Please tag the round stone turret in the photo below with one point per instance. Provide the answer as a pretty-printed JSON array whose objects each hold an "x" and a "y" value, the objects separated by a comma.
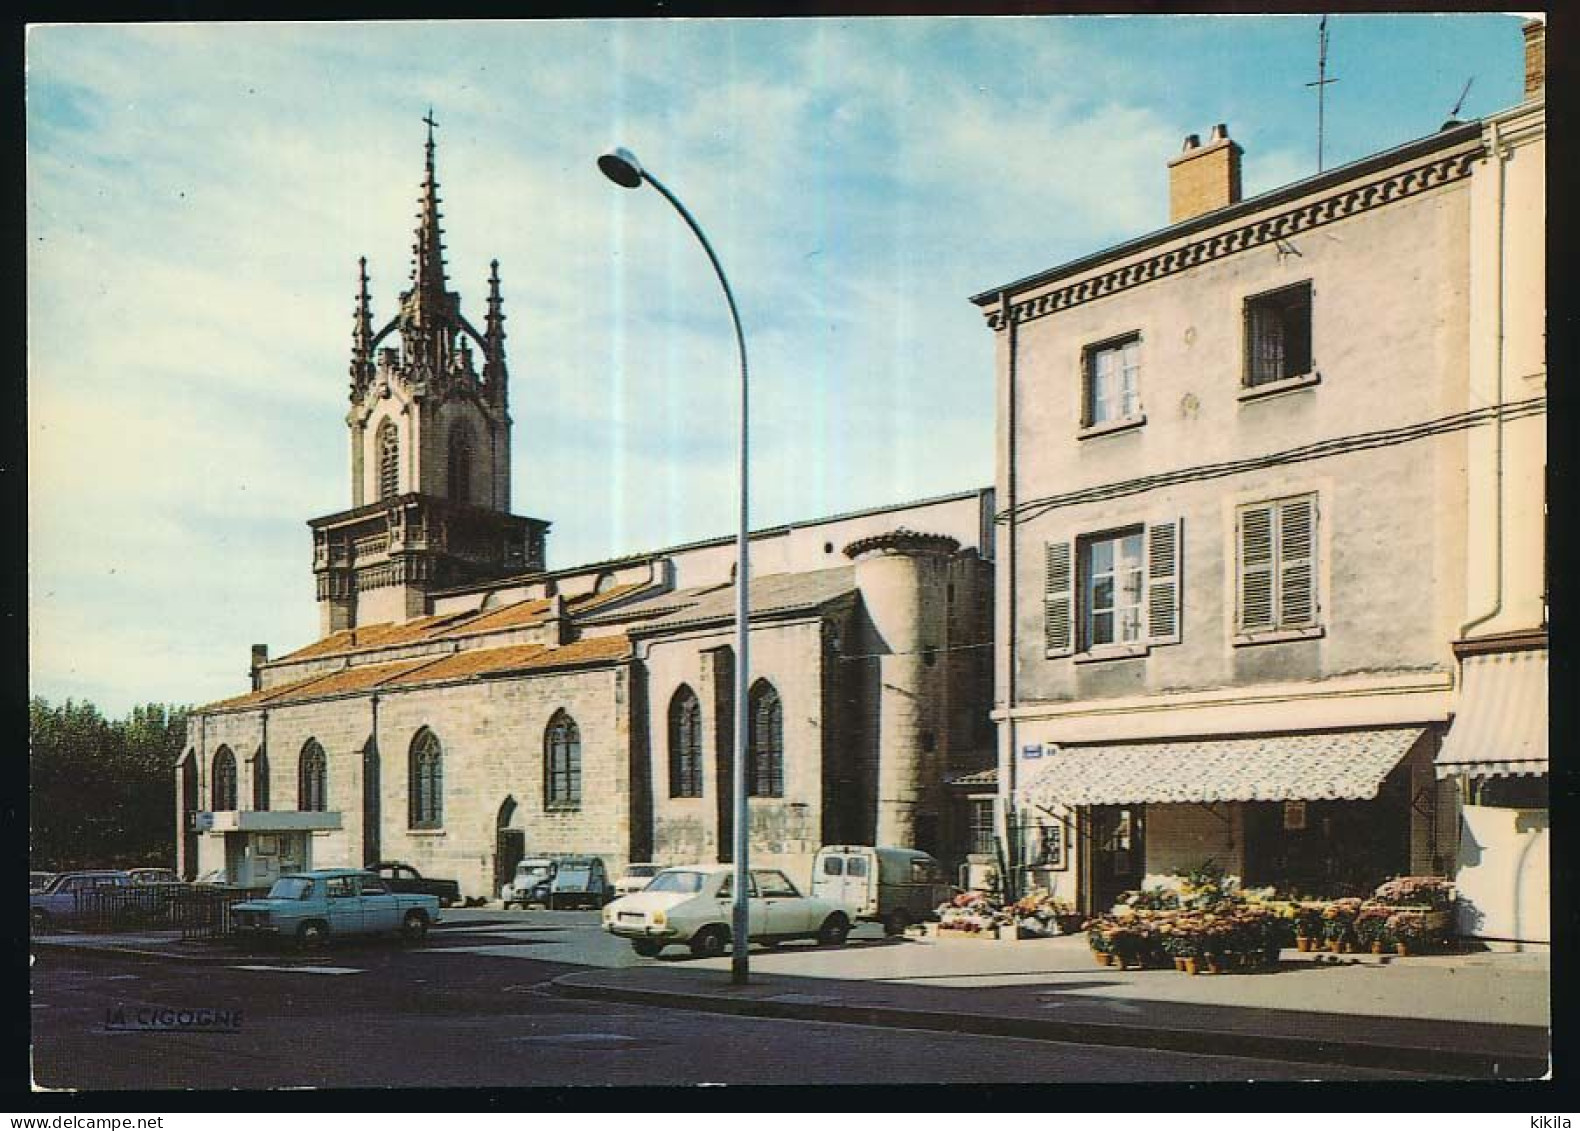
[{"x": 903, "y": 576}]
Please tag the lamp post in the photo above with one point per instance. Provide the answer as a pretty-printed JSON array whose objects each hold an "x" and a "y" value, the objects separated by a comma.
[{"x": 622, "y": 167}]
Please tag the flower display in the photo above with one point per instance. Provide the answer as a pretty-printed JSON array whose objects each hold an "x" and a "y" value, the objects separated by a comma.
[
  {"x": 1416, "y": 891},
  {"x": 974, "y": 912}
]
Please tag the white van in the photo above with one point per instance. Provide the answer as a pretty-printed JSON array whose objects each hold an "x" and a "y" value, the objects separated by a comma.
[{"x": 892, "y": 886}]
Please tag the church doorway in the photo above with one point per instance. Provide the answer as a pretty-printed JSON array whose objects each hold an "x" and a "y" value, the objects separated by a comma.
[
  {"x": 510, "y": 845},
  {"x": 370, "y": 804}
]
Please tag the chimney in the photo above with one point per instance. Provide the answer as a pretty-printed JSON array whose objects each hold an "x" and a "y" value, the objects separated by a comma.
[
  {"x": 1204, "y": 177},
  {"x": 260, "y": 656},
  {"x": 1535, "y": 58}
]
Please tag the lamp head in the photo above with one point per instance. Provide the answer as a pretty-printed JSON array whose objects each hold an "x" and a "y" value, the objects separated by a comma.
[{"x": 622, "y": 167}]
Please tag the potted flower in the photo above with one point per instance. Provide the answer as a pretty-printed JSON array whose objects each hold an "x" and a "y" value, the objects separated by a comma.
[
  {"x": 1412, "y": 932},
  {"x": 1308, "y": 924},
  {"x": 1338, "y": 924},
  {"x": 1371, "y": 927},
  {"x": 1097, "y": 940}
]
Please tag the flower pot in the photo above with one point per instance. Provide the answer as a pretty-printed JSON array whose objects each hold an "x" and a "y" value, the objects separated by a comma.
[
  {"x": 1190, "y": 965},
  {"x": 1377, "y": 948},
  {"x": 1213, "y": 966},
  {"x": 1347, "y": 948},
  {"x": 1179, "y": 964},
  {"x": 1403, "y": 949},
  {"x": 1333, "y": 946},
  {"x": 1302, "y": 944},
  {"x": 1101, "y": 958}
]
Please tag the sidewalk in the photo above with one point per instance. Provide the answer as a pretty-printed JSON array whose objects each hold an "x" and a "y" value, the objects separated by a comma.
[{"x": 1480, "y": 1015}]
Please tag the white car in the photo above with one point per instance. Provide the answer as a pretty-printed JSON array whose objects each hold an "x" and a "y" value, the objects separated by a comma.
[
  {"x": 636, "y": 877},
  {"x": 693, "y": 904}
]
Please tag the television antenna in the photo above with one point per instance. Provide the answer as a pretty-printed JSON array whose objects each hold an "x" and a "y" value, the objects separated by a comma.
[
  {"x": 1453, "y": 115},
  {"x": 1322, "y": 83}
]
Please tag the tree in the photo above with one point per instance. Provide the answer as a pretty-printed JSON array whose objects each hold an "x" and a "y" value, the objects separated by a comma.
[{"x": 101, "y": 790}]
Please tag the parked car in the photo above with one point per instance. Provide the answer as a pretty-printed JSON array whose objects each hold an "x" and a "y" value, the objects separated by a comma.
[
  {"x": 38, "y": 881},
  {"x": 148, "y": 877},
  {"x": 693, "y": 904},
  {"x": 314, "y": 907},
  {"x": 636, "y": 877},
  {"x": 404, "y": 878},
  {"x": 214, "y": 878},
  {"x": 65, "y": 898},
  {"x": 558, "y": 881},
  {"x": 892, "y": 886}
]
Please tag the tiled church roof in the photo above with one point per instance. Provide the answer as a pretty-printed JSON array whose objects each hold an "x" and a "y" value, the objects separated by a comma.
[{"x": 473, "y": 663}]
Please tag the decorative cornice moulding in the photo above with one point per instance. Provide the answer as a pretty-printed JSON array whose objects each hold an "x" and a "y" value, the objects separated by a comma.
[{"x": 1313, "y": 214}]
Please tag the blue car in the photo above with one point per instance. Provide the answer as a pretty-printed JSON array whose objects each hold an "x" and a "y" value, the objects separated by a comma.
[{"x": 313, "y": 907}]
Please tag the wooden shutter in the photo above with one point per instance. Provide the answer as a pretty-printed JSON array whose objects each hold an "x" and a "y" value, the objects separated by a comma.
[
  {"x": 1059, "y": 599},
  {"x": 1163, "y": 582},
  {"x": 1297, "y": 582},
  {"x": 1255, "y": 536}
]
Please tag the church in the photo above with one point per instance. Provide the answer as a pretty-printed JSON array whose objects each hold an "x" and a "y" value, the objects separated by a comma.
[{"x": 466, "y": 705}]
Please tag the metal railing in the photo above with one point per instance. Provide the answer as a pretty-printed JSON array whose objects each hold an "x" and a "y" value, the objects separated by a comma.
[{"x": 204, "y": 913}]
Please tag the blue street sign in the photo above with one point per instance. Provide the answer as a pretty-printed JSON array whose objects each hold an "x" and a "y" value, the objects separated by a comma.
[{"x": 1033, "y": 751}]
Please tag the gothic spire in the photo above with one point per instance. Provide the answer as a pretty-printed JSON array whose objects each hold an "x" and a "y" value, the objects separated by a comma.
[
  {"x": 428, "y": 306},
  {"x": 495, "y": 376},
  {"x": 362, "y": 334}
]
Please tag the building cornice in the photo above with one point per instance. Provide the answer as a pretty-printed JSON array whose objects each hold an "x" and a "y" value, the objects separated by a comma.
[
  {"x": 1430, "y": 682},
  {"x": 1259, "y": 230}
]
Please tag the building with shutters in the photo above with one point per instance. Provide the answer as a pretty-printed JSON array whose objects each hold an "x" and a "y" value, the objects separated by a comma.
[
  {"x": 1271, "y": 487},
  {"x": 465, "y": 704}
]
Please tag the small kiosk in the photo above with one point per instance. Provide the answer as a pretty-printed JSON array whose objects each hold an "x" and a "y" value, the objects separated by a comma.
[{"x": 261, "y": 846}]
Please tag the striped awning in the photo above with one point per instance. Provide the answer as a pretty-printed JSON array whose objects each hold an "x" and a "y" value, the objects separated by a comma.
[
  {"x": 1336, "y": 765},
  {"x": 1500, "y": 728}
]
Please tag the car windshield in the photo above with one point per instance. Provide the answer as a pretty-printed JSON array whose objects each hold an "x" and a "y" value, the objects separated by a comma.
[
  {"x": 529, "y": 870},
  {"x": 573, "y": 875},
  {"x": 684, "y": 882},
  {"x": 291, "y": 887}
]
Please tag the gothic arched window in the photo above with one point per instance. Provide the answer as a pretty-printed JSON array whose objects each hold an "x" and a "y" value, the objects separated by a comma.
[
  {"x": 562, "y": 763},
  {"x": 685, "y": 744},
  {"x": 427, "y": 781},
  {"x": 223, "y": 793},
  {"x": 461, "y": 464},
  {"x": 312, "y": 779},
  {"x": 260, "y": 780},
  {"x": 389, "y": 460},
  {"x": 765, "y": 750}
]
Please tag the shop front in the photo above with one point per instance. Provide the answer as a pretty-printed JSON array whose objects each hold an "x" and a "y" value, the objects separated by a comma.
[
  {"x": 1324, "y": 814},
  {"x": 1496, "y": 750}
]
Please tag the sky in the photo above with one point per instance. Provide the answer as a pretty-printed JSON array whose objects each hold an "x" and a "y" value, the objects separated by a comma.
[{"x": 199, "y": 194}]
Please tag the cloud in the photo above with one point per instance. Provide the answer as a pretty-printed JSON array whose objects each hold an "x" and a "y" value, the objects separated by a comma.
[{"x": 198, "y": 195}]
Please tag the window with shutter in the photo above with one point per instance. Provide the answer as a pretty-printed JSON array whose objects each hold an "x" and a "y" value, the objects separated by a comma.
[
  {"x": 1163, "y": 582},
  {"x": 1256, "y": 568},
  {"x": 1297, "y": 597},
  {"x": 1278, "y": 565},
  {"x": 1058, "y": 599}
]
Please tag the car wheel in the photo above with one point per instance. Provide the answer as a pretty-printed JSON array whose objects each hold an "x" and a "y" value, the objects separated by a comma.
[
  {"x": 710, "y": 942},
  {"x": 833, "y": 931},
  {"x": 40, "y": 921},
  {"x": 414, "y": 928},
  {"x": 895, "y": 922},
  {"x": 312, "y": 936},
  {"x": 646, "y": 948}
]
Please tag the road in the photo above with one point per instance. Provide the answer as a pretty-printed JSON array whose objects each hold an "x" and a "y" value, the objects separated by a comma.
[{"x": 471, "y": 1009}]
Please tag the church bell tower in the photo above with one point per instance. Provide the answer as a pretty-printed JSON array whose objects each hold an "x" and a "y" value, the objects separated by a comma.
[{"x": 429, "y": 427}]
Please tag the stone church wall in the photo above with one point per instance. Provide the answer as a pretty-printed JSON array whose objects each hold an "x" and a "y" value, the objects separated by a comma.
[{"x": 785, "y": 831}]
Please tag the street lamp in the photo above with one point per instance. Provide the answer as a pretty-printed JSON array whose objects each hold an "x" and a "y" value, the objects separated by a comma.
[{"x": 622, "y": 167}]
